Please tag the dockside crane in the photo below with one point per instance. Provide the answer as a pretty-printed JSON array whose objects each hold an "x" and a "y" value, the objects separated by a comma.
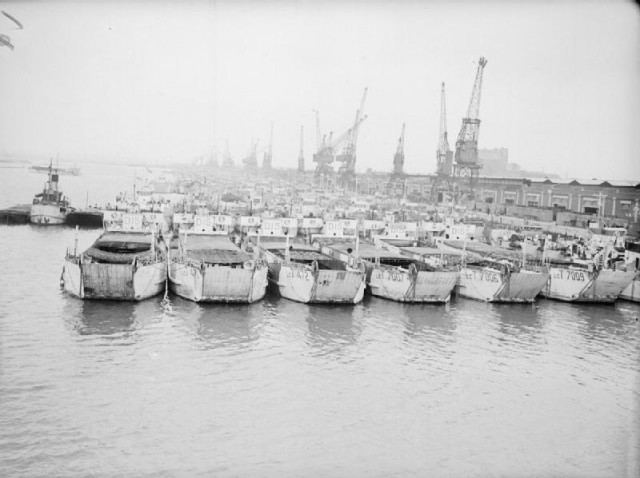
[
  {"x": 398, "y": 158},
  {"x": 301, "y": 156},
  {"x": 227, "y": 161},
  {"x": 347, "y": 156},
  {"x": 443, "y": 185},
  {"x": 397, "y": 181},
  {"x": 444, "y": 155},
  {"x": 326, "y": 155},
  {"x": 250, "y": 161},
  {"x": 268, "y": 156},
  {"x": 466, "y": 163}
]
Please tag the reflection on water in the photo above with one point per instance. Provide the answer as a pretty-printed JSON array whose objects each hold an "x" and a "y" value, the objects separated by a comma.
[
  {"x": 332, "y": 327},
  {"x": 421, "y": 319},
  {"x": 606, "y": 330},
  {"x": 220, "y": 325},
  {"x": 109, "y": 317},
  {"x": 521, "y": 321}
]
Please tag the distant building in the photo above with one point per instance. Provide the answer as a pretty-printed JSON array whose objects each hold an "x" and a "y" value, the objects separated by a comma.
[
  {"x": 495, "y": 163},
  {"x": 564, "y": 200}
]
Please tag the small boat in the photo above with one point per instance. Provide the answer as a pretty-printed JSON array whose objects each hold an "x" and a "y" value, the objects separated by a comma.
[
  {"x": 124, "y": 263},
  {"x": 206, "y": 266},
  {"x": 50, "y": 207}
]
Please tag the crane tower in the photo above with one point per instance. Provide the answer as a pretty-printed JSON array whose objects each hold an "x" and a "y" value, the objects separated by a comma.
[
  {"x": 397, "y": 181},
  {"x": 250, "y": 161},
  {"x": 347, "y": 156},
  {"x": 327, "y": 147},
  {"x": 268, "y": 156},
  {"x": 444, "y": 155},
  {"x": 466, "y": 164}
]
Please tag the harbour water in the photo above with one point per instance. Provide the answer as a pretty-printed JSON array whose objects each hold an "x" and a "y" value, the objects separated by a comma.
[{"x": 166, "y": 387}]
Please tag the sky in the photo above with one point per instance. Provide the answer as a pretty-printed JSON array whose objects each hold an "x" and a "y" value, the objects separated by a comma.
[{"x": 172, "y": 81}]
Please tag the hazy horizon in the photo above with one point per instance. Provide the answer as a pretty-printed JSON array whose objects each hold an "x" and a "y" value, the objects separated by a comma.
[{"x": 170, "y": 82}]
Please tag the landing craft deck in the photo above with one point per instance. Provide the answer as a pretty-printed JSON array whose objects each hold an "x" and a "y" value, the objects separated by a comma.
[
  {"x": 369, "y": 252},
  {"x": 494, "y": 252}
]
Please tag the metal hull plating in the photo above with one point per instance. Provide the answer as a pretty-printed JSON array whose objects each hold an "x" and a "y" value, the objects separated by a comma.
[
  {"x": 490, "y": 285},
  {"x": 403, "y": 286},
  {"x": 114, "y": 281},
  {"x": 218, "y": 283},
  {"x": 632, "y": 291},
  {"x": 302, "y": 284},
  {"x": 47, "y": 214},
  {"x": 579, "y": 285}
]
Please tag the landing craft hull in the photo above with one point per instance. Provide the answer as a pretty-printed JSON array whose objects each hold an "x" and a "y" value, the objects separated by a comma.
[
  {"x": 574, "y": 285},
  {"x": 302, "y": 284},
  {"x": 523, "y": 286},
  {"x": 402, "y": 286},
  {"x": 114, "y": 281},
  {"x": 632, "y": 291},
  {"x": 489, "y": 285},
  {"x": 47, "y": 214},
  {"x": 218, "y": 284}
]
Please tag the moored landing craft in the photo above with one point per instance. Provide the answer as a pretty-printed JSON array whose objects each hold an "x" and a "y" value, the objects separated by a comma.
[
  {"x": 393, "y": 276},
  {"x": 300, "y": 272},
  {"x": 210, "y": 268},
  {"x": 499, "y": 282},
  {"x": 124, "y": 264},
  {"x": 573, "y": 283}
]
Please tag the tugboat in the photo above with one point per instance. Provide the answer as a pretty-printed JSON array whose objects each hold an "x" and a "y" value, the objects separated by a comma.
[
  {"x": 206, "y": 266},
  {"x": 50, "y": 207},
  {"x": 127, "y": 262}
]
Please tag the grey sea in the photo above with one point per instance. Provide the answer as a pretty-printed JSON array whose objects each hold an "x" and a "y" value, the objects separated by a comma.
[{"x": 166, "y": 387}]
